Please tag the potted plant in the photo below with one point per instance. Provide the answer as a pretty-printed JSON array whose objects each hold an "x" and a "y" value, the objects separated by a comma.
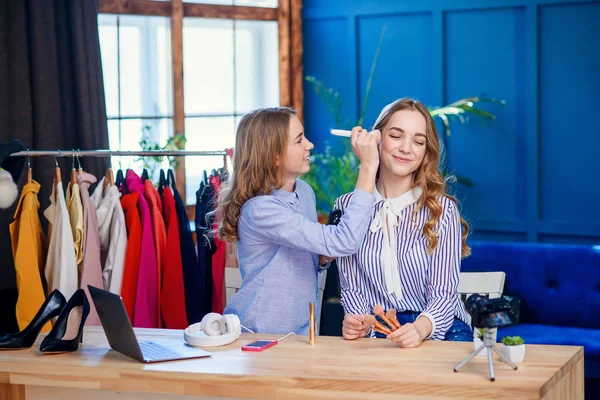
[
  {"x": 513, "y": 348},
  {"x": 334, "y": 173},
  {"x": 153, "y": 164}
]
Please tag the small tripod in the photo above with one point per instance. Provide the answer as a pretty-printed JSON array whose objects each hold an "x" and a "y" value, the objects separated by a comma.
[{"x": 488, "y": 343}]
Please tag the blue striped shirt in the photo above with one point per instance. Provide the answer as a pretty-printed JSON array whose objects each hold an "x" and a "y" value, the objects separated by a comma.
[
  {"x": 278, "y": 253},
  {"x": 428, "y": 283}
]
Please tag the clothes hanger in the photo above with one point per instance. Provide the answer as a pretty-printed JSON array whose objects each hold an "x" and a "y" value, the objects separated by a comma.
[
  {"x": 120, "y": 178},
  {"x": 73, "y": 173},
  {"x": 57, "y": 177},
  {"x": 162, "y": 180},
  {"x": 201, "y": 190},
  {"x": 109, "y": 178},
  {"x": 29, "y": 178},
  {"x": 224, "y": 171},
  {"x": 79, "y": 169},
  {"x": 144, "y": 175},
  {"x": 171, "y": 178},
  {"x": 120, "y": 182}
]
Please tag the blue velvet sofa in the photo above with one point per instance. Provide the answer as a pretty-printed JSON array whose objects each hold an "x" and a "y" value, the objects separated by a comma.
[{"x": 559, "y": 288}]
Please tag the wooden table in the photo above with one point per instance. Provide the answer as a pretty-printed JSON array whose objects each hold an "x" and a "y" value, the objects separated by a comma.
[{"x": 332, "y": 368}]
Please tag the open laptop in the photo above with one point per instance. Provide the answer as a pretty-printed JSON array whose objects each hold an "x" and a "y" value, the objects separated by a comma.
[{"x": 121, "y": 337}]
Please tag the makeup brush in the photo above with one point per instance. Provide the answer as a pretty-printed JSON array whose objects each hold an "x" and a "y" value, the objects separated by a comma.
[
  {"x": 378, "y": 310},
  {"x": 378, "y": 326},
  {"x": 345, "y": 133},
  {"x": 391, "y": 314},
  {"x": 380, "y": 331}
]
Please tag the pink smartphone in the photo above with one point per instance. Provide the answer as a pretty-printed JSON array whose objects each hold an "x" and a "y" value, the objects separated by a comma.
[{"x": 260, "y": 345}]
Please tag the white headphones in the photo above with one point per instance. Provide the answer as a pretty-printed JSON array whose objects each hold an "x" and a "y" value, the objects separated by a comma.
[{"x": 214, "y": 330}]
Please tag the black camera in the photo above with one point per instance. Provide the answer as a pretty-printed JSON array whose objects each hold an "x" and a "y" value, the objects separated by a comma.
[{"x": 493, "y": 313}]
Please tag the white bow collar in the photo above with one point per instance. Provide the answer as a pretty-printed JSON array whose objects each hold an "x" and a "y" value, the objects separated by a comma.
[{"x": 388, "y": 217}]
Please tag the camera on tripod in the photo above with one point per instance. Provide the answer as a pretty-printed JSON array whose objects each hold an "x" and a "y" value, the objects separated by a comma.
[{"x": 493, "y": 313}]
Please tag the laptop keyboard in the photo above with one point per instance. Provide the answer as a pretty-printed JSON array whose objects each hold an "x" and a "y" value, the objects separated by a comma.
[{"x": 153, "y": 351}]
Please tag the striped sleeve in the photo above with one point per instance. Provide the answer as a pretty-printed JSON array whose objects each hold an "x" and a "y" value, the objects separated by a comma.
[
  {"x": 353, "y": 301},
  {"x": 443, "y": 274}
]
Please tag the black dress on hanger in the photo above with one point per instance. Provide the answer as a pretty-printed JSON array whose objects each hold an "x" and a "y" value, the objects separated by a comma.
[
  {"x": 189, "y": 261},
  {"x": 205, "y": 244}
]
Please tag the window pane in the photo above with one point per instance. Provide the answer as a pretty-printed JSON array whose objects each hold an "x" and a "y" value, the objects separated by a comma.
[
  {"x": 155, "y": 131},
  {"x": 114, "y": 139},
  {"x": 145, "y": 66},
  {"x": 208, "y": 66},
  {"x": 256, "y": 65},
  {"x": 107, "y": 32},
  {"x": 256, "y": 3},
  {"x": 211, "y": 133}
]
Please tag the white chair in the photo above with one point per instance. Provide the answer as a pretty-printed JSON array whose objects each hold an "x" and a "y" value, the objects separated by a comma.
[
  {"x": 483, "y": 283},
  {"x": 233, "y": 282}
]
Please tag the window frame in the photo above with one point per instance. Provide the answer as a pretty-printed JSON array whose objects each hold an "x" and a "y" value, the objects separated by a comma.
[{"x": 289, "y": 25}]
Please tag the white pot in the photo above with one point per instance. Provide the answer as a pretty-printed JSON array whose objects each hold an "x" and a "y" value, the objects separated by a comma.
[
  {"x": 477, "y": 343},
  {"x": 515, "y": 354}
]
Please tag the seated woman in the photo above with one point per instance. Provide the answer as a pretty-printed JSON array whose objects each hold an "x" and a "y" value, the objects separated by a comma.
[
  {"x": 272, "y": 216},
  {"x": 410, "y": 258}
]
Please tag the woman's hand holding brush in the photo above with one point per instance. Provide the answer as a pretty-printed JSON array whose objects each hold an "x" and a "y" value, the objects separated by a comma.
[{"x": 354, "y": 326}]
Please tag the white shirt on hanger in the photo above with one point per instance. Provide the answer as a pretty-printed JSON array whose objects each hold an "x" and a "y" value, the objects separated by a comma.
[
  {"x": 61, "y": 265},
  {"x": 113, "y": 235}
]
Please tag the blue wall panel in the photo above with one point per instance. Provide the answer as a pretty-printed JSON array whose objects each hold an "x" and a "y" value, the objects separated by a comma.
[
  {"x": 569, "y": 106},
  {"x": 490, "y": 154},
  {"x": 535, "y": 168},
  {"x": 404, "y": 68},
  {"x": 328, "y": 60}
]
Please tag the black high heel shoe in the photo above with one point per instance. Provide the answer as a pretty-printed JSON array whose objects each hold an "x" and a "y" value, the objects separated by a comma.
[
  {"x": 67, "y": 332},
  {"x": 51, "y": 307}
]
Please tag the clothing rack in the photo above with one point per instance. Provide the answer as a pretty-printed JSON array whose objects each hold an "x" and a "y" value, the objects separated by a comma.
[{"x": 117, "y": 153}]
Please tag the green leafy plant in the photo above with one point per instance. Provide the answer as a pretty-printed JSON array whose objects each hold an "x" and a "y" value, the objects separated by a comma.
[
  {"x": 512, "y": 340},
  {"x": 334, "y": 173},
  {"x": 481, "y": 332},
  {"x": 153, "y": 164}
]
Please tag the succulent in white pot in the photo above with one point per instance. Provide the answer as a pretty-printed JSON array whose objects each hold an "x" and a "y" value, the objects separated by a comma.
[
  {"x": 513, "y": 348},
  {"x": 478, "y": 334}
]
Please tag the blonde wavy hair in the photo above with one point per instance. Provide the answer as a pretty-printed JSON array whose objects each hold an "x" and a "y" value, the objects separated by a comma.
[
  {"x": 258, "y": 164},
  {"x": 428, "y": 176}
]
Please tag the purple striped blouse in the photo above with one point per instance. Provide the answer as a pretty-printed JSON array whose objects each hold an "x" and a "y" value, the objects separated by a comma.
[{"x": 427, "y": 283}]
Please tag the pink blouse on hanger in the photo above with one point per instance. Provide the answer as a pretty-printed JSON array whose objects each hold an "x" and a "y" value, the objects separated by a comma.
[
  {"x": 146, "y": 297},
  {"x": 91, "y": 271}
]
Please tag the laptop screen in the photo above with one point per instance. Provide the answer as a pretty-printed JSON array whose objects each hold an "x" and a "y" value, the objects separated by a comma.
[{"x": 115, "y": 323}]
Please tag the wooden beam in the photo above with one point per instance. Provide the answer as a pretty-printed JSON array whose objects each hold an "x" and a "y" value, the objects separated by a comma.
[
  {"x": 285, "y": 87},
  {"x": 139, "y": 7},
  {"x": 229, "y": 12},
  {"x": 178, "y": 103},
  {"x": 297, "y": 70},
  {"x": 149, "y": 7}
]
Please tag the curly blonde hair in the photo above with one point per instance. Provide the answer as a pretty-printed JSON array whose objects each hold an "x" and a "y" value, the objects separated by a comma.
[
  {"x": 428, "y": 176},
  {"x": 258, "y": 162}
]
